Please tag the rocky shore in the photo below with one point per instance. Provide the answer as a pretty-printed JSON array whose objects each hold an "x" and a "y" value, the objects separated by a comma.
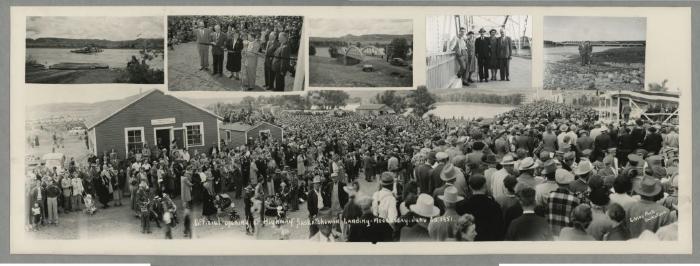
[{"x": 599, "y": 75}]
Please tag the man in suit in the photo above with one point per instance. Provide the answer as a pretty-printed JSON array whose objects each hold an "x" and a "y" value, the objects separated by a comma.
[
  {"x": 316, "y": 201},
  {"x": 203, "y": 34},
  {"x": 270, "y": 50},
  {"x": 422, "y": 172},
  {"x": 281, "y": 62},
  {"x": 504, "y": 54},
  {"x": 218, "y": 40},
  {"x": 337, "y": 197},
  {"x": 483, "y": 55},
  {"x": 435, "y": 174}
]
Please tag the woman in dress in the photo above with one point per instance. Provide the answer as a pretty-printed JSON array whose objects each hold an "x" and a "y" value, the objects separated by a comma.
[
  {"x": 493, "y": 61},
  {"x": 251, "y": 60},
  {"x": 234, "y": 47}
]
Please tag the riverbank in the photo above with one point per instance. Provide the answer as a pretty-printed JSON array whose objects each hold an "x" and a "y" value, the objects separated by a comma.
[
  {"x": 86, "y": 76},
  {"x": 611, "y": 69}
]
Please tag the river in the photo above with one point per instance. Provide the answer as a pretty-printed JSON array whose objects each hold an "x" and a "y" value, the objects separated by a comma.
[
  {"x": 555, "y": 54},
  {"x": 114, "y": 58}
]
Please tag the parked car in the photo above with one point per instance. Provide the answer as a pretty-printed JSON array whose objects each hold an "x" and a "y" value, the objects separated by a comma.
[{"x": 398, "y": 62}]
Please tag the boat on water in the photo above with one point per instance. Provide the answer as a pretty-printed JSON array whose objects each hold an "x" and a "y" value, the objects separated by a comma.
[{"x": 87, "y": 50}]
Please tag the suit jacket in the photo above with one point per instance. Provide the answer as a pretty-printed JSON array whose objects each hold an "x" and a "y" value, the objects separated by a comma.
[
  {"x": 270, "y": 53},
  {"x": 219, "y": 40},
  {"x": 203, "y": 35},
  {"x": 342, "y": 195},
  {"x": 312, "y": 204},
  {"x": 236, "y": 45},
  {"x": 280, "y": 62},
  {"x": 529, "y": 227},
  {"x": 436, "y": 181},
  {"x": 423, "y": 178},
  {"x": 483, "y": 47},
  {"x": 503, "y": 49}
]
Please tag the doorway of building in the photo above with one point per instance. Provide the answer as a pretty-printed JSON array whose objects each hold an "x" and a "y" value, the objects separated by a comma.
[{"x": 163, "y": 138}]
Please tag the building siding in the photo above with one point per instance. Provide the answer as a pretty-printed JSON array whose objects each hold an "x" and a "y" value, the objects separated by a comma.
[
  {"x": 275, "y": 131},
  {"x": 238, "y": 138},
  {"x": 110, "y": 133}
]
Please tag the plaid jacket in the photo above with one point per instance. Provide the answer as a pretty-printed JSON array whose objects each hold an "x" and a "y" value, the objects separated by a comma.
[{"x": 559, "y": 206}]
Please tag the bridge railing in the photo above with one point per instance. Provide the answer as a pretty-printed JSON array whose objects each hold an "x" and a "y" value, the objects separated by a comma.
[{"x": 441, "y": 70}]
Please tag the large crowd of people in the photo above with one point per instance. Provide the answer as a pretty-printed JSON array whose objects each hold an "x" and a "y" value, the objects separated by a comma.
[{"x": 543, "y": 171}]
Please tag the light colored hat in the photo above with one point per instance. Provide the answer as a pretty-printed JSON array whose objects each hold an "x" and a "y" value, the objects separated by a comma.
[
  {"x": 317, "y": 179},
  {"x": 527, "y": 164},
  {"x": 450, "y": 195},
  {"x": 387, "y": 178},
  {"x": 549, "y": 166},
  {"x": 508, "y": 160},
  {"x": 449, "y": 172},
  {"x": 563, "y": 177},
  {"x": 425, "y": 206},
  {"x": 584, "y": 167},
  {"x": 441, "y": 155},
  {"x": 350, "y": 189},
  {"x": 563, "y": 128}
]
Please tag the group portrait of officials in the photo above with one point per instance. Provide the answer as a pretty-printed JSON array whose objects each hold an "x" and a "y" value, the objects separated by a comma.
[
  {"x": 490, "y": 54},
  {"x": 236, "y": 48}
]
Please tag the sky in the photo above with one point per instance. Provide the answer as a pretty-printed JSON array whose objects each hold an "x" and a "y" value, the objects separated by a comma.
[
  {"x": 594, "y": 29},
  {"x": 107, "y": 28},
  {"x": 515, "y": 26},
  {"x": 341, "y": 27}
]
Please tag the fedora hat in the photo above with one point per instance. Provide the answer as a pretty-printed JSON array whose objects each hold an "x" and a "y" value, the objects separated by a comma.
[
  {"x": 526, "y": 164},
  {"x": 425, "y": 206},
  {"x": 449, "y": 172},
  {"x": 482, "y": 30},
  {"x": 387, "y": 178},
  {"x": 441, "y": 155},
  {"x": 563, "y": 177},
  {"x": 317, "y": 179},
  {"x": 489, "y": 159},
  {"x": 549, "y": 166},
  {"x": 507, "y": 160},
  {"x": 584, "y": 167},
  {"x": 587, "y": 153},
  {"x": 450, "y": 195},
  {"x": 648, "y": 187}
]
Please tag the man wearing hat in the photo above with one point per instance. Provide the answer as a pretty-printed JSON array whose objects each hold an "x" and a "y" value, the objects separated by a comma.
[
  {"x": 442, "y": 158},
  {"x": 337, "y": 196},
  {"x": 497, "y": 188},
  {"x": 316, "y": 201},
  {"x": 560, "y": 202},
  {"x": 417, "y": 228},
  {"x": 583, "y": 171},
  {"x": 483, "y": 55},
  {"x": 449, "y": 176},
  {"x": 653, "y": 141},
  {"x": 584, "y": 141},
  {"x": 647, "y": 214},
  {"x": 444, "y": 227},
  {"x": 486, "y": 211},
  {"x": 527, "y": 178},
  {"x": 384, "y": 201},
  {"x": 542, "y": 190},
  {"x": 422, "y": 173},
  {"x": 368, "y": 228}
]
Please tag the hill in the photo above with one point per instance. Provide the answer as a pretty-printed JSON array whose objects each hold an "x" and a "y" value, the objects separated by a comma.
[{"x": 80, "y": 43}]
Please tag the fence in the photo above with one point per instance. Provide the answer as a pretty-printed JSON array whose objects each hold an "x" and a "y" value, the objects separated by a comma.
[{"x": 441, "y": 70}]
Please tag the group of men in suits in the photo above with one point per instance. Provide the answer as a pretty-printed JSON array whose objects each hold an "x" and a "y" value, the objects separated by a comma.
[
  {"x": 276, "y": 54},
  {"x": 493, "y": 55}
]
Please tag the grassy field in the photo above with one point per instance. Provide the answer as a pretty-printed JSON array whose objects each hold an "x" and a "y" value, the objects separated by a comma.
[{"x": 328, "y": 72}]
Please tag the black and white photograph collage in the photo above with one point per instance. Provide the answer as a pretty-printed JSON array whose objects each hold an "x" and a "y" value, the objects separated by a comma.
[{"x": 292, "y": 126}]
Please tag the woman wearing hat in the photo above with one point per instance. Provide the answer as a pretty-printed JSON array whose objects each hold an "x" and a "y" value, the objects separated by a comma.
[{"x": 418, "y": 220}]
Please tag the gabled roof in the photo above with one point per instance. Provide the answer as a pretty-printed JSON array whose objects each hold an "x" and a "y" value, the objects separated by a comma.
[
  {"x": 111, "y": 108},
  {"x": 372, "y": 107},
  {"x": 238, "y": 126},
  {"x": 243, "y": 127}
]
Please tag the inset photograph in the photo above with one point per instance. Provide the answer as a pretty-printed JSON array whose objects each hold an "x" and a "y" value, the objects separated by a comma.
[
  {"x": 485, "y": 52},
  {"x": 234, "y": 53},
  {"x": 594, "y": 53},
  {"x": 88, "y": 50},
  {"x": 360, "y": 53}
]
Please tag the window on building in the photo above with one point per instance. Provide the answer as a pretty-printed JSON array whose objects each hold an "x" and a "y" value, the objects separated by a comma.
[
  {"x": 134, "y": 139},
  {"x": 195, "y": 136}
]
